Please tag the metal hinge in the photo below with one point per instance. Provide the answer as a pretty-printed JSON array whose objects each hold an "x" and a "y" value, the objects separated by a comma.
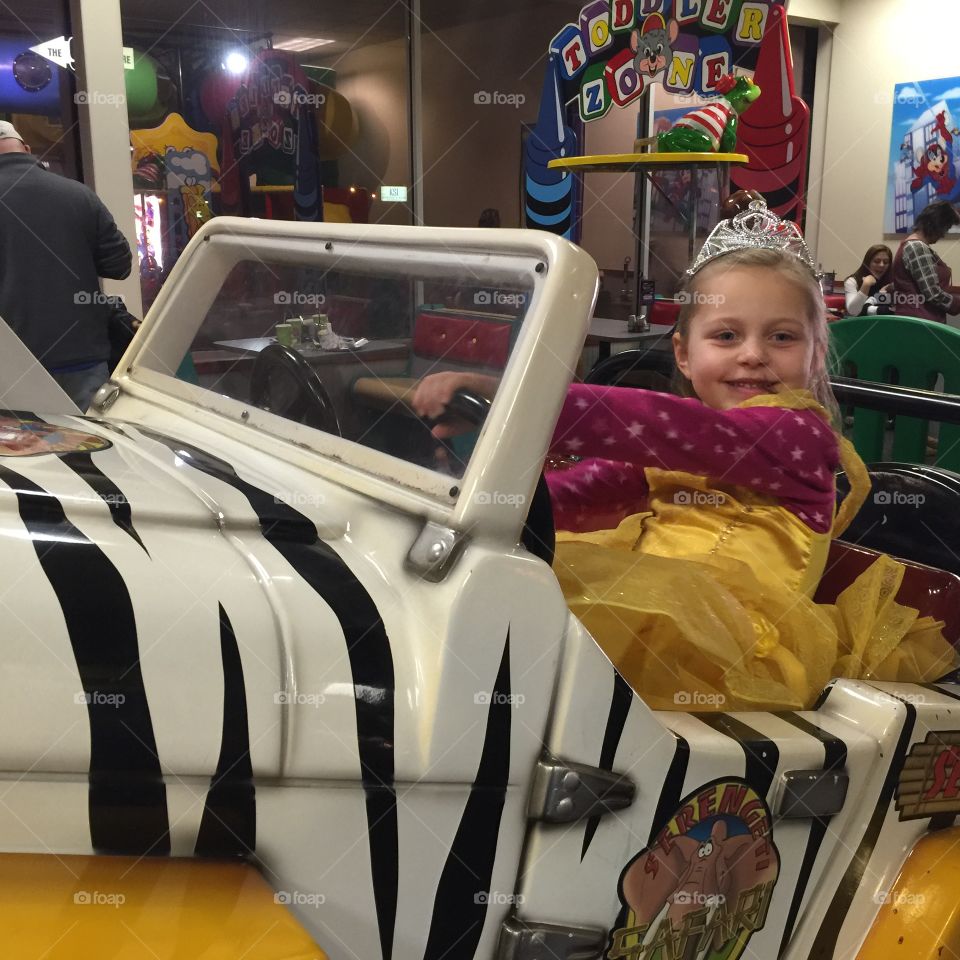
[
  {"x": 812, "y": 793},
  {"x": 564, "y": 792},
  {"x": 523, "y": 940},
  {"x": 434, "y": 551}
]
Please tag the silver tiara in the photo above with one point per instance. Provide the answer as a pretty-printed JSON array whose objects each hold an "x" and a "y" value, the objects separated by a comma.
[{"x": 755, "y": 227}]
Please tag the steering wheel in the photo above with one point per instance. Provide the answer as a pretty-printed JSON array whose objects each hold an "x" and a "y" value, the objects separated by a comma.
[
  {"x": 282, "y": 382},
  {"x": 538, "y": 535}
]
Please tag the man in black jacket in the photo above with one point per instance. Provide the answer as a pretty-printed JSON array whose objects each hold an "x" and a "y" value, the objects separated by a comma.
[{"x": 56, "y": 240}]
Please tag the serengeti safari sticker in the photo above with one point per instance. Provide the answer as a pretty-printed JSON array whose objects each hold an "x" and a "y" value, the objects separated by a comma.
[
  {"x": 26, "y": 438},
  {"x": 930, "y": 780},
  {"x": 703, "y": 885}
]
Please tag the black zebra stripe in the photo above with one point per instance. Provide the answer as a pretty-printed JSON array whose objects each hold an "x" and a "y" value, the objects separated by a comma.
[
  {"x": 127, "y": 798},
  {"x": 834, "y": 758},
  {"x": 82, "y": 464},
  {"x": 229, "y": 823},
  {"x": 294, "y": 536},
  {"x": 620, "y": 702},
  {"x": 761, "y": 752},
  {"x": 829, "y": 929},
  {"x": 460, "y": 905}
]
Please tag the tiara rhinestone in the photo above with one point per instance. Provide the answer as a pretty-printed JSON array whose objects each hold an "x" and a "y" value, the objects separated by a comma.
[{"x": 755, "y": 227}]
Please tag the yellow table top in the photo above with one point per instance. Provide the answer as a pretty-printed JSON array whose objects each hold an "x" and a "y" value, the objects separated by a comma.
[
  {"x": 633, "y": 162},
  {"x": 154, "y": 908}
]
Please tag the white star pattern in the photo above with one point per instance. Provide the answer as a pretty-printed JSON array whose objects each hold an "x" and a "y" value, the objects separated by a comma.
[
  {"x": 819, "y": 518},
  {"x": 575, "y": 443},
  {"x": 609, "y": 441},
  {"x": 729, "y": 431},
  {"x": 798, "y": 419},
  {"x": 635, "y": 429},
  {"x": 796, "y": 453},
  {"x": 776, "y": 485},
  {"x": 663, "y": 415},
  {"x": 672, "y": 434},
  {"x": 688, "y": 447},
  {"x": 718, "y": 449},
  {"x": 740, "y": 452},
  {"x": 582, "y": 403}
]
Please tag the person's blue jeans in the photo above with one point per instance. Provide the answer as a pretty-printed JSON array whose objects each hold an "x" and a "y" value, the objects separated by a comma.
[{"x": 81, "y": 385}]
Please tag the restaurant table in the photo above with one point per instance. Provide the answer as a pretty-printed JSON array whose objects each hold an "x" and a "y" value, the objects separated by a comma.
[{"x": 604, "y": 332}]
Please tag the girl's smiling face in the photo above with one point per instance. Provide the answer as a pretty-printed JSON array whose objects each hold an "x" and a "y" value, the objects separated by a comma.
[{"x": 749, "y": 335}]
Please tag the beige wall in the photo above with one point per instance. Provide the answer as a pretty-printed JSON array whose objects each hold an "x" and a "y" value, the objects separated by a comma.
[
  {"x": 375, "y": 79},
  {"x": 877, "y": 44}
]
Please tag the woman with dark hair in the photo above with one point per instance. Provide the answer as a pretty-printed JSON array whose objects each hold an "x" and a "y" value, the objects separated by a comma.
[
  {"x": 921, "y": 280},
  {"x": 866, "y": 288}
]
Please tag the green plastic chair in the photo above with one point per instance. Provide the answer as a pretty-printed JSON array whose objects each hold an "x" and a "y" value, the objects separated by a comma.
[{"x": 908, "y": 352}]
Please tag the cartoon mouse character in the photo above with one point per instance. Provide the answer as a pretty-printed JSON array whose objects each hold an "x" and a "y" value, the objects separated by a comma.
[
  {"x": 936, "y": 161},
  {"x": 652, "y": 46}
]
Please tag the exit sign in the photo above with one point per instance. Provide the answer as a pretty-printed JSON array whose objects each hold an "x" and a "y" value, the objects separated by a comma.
[{"x": 393, "y": 194}]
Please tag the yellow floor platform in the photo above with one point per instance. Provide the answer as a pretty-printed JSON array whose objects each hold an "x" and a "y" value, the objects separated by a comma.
[{"x": 119, "y": 908}]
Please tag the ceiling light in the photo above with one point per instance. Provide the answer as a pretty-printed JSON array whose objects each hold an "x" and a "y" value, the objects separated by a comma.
[
  {"x": 299, "y": 44},
  {"x": 236, "y": 62}
]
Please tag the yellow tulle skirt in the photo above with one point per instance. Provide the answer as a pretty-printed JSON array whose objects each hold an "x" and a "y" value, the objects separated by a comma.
[{"x": 702, "y": 634}]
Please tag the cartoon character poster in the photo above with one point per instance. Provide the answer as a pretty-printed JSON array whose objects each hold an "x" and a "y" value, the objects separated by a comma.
[
  {"x": 924, "y": 150},
  {"x": 702, "y": 887}
]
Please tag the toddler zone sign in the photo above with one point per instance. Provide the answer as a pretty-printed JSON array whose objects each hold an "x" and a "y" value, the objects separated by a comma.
[
  {"x": 615, "y": 52},
  {"x": 621, "y": 47}
]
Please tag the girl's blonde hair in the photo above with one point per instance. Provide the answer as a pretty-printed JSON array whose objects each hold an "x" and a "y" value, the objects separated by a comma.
[{"x": 793, "y": 271}]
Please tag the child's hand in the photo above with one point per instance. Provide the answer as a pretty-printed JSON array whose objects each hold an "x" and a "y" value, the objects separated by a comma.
[{"x": 433, "y": 394}]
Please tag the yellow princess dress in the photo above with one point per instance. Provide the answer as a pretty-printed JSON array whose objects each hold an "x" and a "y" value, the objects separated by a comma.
[{"x": 704, "y": 602}]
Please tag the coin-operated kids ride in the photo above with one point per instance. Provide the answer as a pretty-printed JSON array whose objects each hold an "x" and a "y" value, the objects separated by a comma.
[{"x": 277, "y": 672}]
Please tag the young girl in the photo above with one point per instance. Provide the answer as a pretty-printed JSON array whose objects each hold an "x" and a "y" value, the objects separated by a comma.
[{"x": 703, "y": 600}]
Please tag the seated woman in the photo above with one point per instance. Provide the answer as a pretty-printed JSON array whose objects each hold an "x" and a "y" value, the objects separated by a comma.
[
  {"x": 868, "y": 288},
  {"x": 705, "y": 598},
  {"x": 921, "y": 280}
]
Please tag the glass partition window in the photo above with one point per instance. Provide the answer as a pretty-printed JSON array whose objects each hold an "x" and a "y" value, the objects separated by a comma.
[{"x": 341, "y": 350}]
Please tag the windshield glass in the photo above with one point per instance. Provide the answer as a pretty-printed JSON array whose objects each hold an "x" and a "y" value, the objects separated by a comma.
[{"x": 341, "y": 349}]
